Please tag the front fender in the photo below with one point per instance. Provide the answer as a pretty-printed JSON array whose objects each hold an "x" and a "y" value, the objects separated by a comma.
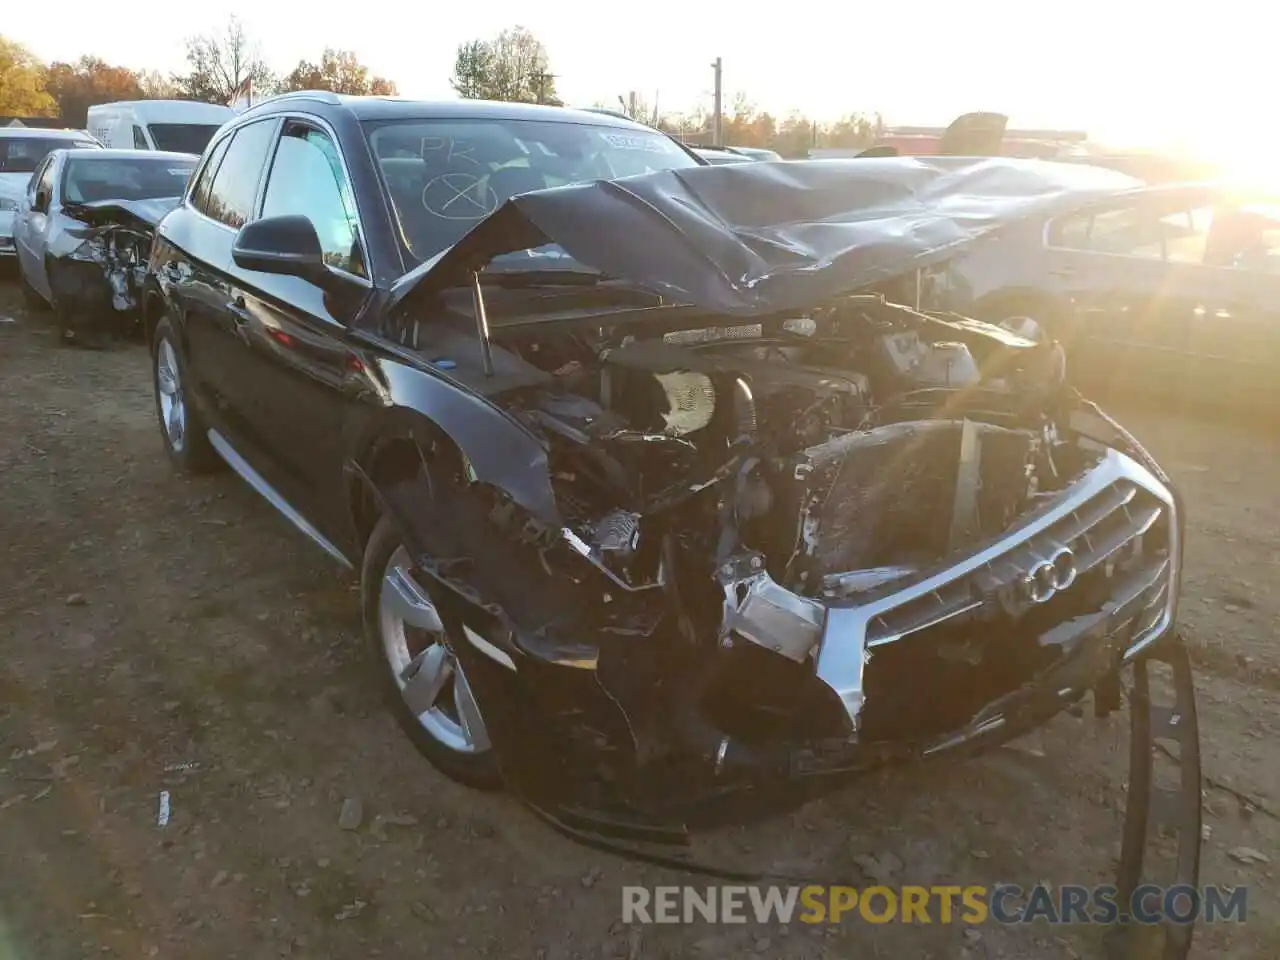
[{"x": 501, "y": 451}]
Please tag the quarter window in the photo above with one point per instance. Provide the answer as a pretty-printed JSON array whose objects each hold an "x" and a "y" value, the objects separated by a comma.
[
  {"x": 307, "y": 179},
  {"x": 235, "y": 184},
  {"x": 139, "y": 139}
]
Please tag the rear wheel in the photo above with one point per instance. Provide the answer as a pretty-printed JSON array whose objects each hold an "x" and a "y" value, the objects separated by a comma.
[
  {"x": 425, "y": 685},
  {"x": 184, "y": 435}
]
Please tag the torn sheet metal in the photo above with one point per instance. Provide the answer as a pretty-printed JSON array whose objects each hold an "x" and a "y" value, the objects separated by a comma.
[{"x": 751, "y": 239}]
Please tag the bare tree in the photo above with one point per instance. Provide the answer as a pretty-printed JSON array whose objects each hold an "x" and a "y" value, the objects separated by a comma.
[
  {"x": 512, "y": 66},
  {"x": 156, "y": 86},
  {"x": 221, "y": 63}
]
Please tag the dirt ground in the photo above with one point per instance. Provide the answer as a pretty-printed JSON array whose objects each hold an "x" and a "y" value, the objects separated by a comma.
[{"x": 161, "y": 634}]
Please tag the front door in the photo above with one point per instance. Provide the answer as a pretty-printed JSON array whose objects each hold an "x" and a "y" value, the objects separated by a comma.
[
  {"x": 31, "y": 226},
  {"x": 295, "y": 368}
]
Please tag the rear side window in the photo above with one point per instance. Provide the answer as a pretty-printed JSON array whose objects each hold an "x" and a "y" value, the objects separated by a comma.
[
  {"x": 235, "y": 184},
  {"x": 200, "y": 195}
]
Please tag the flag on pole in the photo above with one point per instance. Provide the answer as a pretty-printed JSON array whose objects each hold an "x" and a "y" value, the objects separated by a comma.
[{"x": 242, "y": 96}]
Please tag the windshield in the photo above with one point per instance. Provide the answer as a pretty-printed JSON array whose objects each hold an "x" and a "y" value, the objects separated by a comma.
[
  {"x": 182, "y": 137},
  {"x": 23, "y": 154},
  {"x": 443, "y": 176},
  {"x": 125, "y": 178}
]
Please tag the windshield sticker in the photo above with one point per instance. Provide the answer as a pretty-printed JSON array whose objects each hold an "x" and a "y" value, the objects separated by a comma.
[{"x": 622, "y": 141}]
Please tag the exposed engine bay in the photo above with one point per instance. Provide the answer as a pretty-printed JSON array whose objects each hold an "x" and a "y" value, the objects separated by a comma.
[
  {"x": 769, "y": 434},
  {"x": 730, "y": 493}
]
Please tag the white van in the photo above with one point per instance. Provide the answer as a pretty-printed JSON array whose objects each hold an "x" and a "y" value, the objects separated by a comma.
[{"x": 182, "y": 126}]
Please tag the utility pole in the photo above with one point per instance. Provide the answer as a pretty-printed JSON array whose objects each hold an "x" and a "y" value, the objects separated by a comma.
[
  {"x": 717, "y": 132},
  {"x": 542, "y": 77}
]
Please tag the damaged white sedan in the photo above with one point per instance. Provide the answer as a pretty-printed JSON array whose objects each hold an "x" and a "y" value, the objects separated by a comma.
[{"x": 83, "y": 233}]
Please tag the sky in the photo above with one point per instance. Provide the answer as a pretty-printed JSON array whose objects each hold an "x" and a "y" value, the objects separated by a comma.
[{"x": 1131, "y": 72}]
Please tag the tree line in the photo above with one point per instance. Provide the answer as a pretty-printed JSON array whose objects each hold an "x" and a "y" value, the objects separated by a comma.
[
  {"x": 515, "y": 66},
  {"x": 219, "y": 65}
]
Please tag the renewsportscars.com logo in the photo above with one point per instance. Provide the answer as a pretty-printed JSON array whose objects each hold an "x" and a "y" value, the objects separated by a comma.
[{"x": 1002, "y": 903}]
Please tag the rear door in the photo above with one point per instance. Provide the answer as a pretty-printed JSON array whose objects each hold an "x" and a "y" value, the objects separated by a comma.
[
  {"x": 203, "y": 282},
  {"x": 1239, "y": 350}
]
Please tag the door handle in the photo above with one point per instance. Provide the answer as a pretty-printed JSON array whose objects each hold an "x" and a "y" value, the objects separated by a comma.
[
  {"x": 239, "y": 311},
  {"x": 1063, "y": 271}
]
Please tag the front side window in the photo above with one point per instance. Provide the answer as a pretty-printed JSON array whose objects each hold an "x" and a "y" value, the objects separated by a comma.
[
  {"x": 443, "y": 176},
  {"x": 125, "y": 178},
  {"x": 235, "y": 184},
  {"x": 307, "y": 179},
  {"x": 1175, "y": 233}
]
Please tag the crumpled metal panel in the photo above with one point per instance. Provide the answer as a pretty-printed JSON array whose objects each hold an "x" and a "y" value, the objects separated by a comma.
[{"x": 757, "y": 238}]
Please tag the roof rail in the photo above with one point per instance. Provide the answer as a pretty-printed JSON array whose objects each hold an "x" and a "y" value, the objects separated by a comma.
[{"x": 324, "y": 96}]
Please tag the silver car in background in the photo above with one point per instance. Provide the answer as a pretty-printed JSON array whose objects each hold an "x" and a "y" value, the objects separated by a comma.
[
  {"x": 21, "y": 150},
  {"x": 83, "y": 232}
]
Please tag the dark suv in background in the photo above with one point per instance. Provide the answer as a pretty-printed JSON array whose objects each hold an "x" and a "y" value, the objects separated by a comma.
[{"x": 1168, "y": 291}]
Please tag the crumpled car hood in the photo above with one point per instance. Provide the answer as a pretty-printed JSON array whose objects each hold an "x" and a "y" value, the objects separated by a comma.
[
  {"x": 750, "y": 239},
  {"x": 133, "y": 213}
]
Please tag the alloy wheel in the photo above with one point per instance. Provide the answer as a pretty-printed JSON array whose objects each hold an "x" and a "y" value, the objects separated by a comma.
[
  {"x": 425, "y": 670},
  {"x": 173, "y": 405}
]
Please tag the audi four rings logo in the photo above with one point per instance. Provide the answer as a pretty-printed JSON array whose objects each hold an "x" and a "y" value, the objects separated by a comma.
[{"x": 1050, "y": 576}]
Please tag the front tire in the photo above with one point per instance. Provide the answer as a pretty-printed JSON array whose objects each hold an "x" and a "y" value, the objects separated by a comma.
[
  {"x": 183, "y": 433},
  {"x": 423, "y": 681}
]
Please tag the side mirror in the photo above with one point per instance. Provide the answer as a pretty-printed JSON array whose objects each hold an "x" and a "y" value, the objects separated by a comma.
[
  {"x": 286, "y": 245},
  {"x": 41, "y": 204}
]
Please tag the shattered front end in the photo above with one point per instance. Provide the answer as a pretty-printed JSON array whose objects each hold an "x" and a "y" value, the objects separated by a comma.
[
  {"x": 98, "y": 268},
  {"x": 788, "y": 551}
]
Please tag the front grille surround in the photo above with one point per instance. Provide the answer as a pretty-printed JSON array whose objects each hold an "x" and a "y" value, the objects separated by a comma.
[{"x": 1112, "y": 507}]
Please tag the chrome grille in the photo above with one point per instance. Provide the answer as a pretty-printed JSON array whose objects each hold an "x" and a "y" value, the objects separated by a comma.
[
  {"x": 1118, "y": 519},
  {"x": 1122, "y": 531}
]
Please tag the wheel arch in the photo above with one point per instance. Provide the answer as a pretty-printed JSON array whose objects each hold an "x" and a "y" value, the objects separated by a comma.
[
  {"x": 392, "y": 458},
  {"x": 428, "y": 414},
  {"x": 154, "y": 306}
]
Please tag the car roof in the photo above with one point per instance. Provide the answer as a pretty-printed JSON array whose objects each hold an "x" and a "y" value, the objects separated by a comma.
[
  {"x": 401, "y": 108},
  {"x": 105, "y": 154},
  {"x": 46, "y": 133}
]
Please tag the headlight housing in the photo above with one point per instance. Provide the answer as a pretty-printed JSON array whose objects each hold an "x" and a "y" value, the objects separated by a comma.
[{"x": 8, "y": 205}]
